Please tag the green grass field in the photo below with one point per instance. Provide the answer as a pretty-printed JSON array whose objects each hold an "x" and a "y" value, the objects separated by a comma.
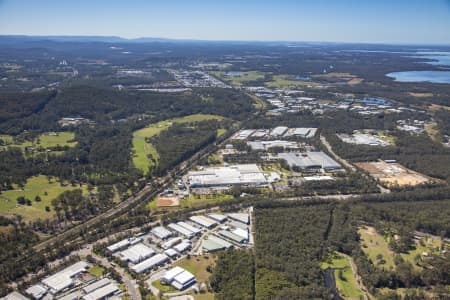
[
  {"x": 6, "y": 138},
  {"x": 44, "y": 141},
  {"x": 97, "y": 271},
  {"x": 141, "y": 149},
  {"x": 164, "y": 288},
  {"x": 35, "y": 186},
  {"x": 285, "y": 81},
  {"x": 197, "y": 265},
  {"x": 61, "y": 139},
  {"x": 374, "y": 244},
  {"x": 197, "y": 200},
  {"x": 241, "y": 77},
  {"x": 347, "y": 286},
  {"x": 205, "y": 296},
  {"x": 430, "y": 246}
]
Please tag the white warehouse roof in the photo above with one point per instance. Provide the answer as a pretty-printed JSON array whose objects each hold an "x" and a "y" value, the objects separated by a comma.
[
  {"x": 102, "y": 292},
  {"x": 161, "y": 232},
  {"x": 182, "y": 247},
  {"x": 189, "y": 227},
  {"x": 241, "y": 232},
  {"x": 152, "y": 262},
  {"x": 136, "y": 253},
  {"x": 122, "y": 244},
  {"x": 15, "y": 296},
  {"x": 170, "y": 275},
  {"x": 278, "y": 131},
  {"x": 96, "y": 285},
  {"x": 181, "y": 230},
  {"x": 203, "y": 221},
  {"x": 241, "y": 217},
  {"x": 171, "y": 242},
  {"x": 171, "y": 252},
  {"x": 37, "y": 291},
  {"x": 309, "y": 160},
  {"x": 63, "y": 279},
  {"x": 178, "y": 278},
  {"x": 183, "y": 280},
  {"x": 218, "y": 217},
  {"x": 244, "y": 174}
]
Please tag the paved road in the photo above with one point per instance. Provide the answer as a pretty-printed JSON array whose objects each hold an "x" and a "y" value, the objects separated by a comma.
[
  {"x": 131, "y": 284},
  {"x": 147, "y": 192},
  {"x": 358, "y": 278},
  {"x": 344, "y": 162},
  {"x": 337, "y": 157}
]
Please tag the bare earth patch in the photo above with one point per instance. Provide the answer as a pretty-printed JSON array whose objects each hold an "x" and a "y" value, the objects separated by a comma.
[
  {"x": 393, "y": 173},
  {"x": 421, "y": 95},
  {"x": 167, "y": 202}
]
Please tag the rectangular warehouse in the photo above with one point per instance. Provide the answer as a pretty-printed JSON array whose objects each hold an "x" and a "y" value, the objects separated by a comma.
[
  {"x": 278, "y": 131},
  {"x": 181, "y": 230},
  {"x": 245, "y": 174},
  {"x": 266, "y": 145},
  {"x": 170, "y": 243},
  {"x": 102, "y": 292},
  {"x": 136, "y": 253},
  {"x": 203, "y": 221},
  {"x": 213, "y": 243},
  {"x": 218, "y": 217},
  {"x": 150, "y": 263},
  {"x": 65, "y": 278},
  {"x": 231, "y": 236},
  {"x": 123, "y": 244},
  {"x": 240, "y": 217},
  {"x": 178, "y": 278},
  {"x": 161, "y": 232},
  {"x": 310, "y": 160},
  {"x": 189, "y": 227}
]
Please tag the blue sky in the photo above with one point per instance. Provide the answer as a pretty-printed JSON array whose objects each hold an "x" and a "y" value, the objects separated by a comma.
[{"x": 393, "y": 21}]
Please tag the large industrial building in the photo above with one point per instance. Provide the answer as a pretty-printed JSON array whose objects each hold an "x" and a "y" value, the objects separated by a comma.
[
  {"x": 179, "y": 278},
  {"x": 161, "y": 232},
  {"x": 136, "y": 253},
  {"x": 213, "y": 244},
  {"x": 310, "y": 160},
  {"x": 150, "y": 263},
  {"x": 301, "y": 132},
  {"x": 203, "y": 221},
  {"x": 123, "y": 244},
  {"x": 64, "y": 278},
  {"x": 102, "y": 292},
  {"x": 279, "y": 131},
  {"x": 245, "y": 174},
  {"x": 266, "y": 145}
]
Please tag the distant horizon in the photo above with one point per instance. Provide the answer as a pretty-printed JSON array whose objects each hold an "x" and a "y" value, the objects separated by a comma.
[
  {"x": 402, "y": 22},
  {"x": 94, "y": 36}
]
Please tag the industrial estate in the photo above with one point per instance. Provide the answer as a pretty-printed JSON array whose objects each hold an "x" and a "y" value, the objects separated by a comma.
[{"x": 212, "y": 170}]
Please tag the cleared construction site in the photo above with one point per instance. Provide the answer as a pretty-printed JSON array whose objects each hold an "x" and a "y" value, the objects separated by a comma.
[{"x": 390, "y": 173}]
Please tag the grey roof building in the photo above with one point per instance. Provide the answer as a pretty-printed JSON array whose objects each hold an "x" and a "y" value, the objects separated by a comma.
[{"x": 310, "y": 160}]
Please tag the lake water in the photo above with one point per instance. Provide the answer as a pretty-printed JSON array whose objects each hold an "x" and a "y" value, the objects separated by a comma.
[
  {"x": 440, "y": 59},
  {"x": 421, "y": 76}
]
